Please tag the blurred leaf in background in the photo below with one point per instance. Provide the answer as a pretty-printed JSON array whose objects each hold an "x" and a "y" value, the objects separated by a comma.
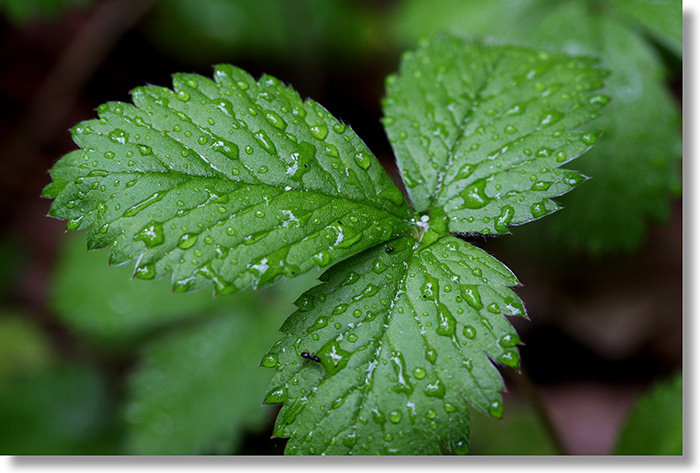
[
  {"x": 21, "y": 12},
  {"x": 655, "y": 425},
  {"x": 23, "y": 346},
  {"x": 105, "y": 305},
  {"x": 636, "y": 164},
  {"x": 520, "y": 432},
  {"x": 49, "y": 406},
  {"x": 196, "y": 387},
  {"x": 197, "y": 390},
  {"x": 300, "y": 31}
]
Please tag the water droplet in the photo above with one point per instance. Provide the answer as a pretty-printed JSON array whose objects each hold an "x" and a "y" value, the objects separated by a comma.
[
  {"x": 322, "y": 258},
  {"x": 541, "y": 186},
  {"x": 378, "y": 416},
  {"x": 275, "y": 120},
  {"x": 510, "y": 358},
  {"x": 395, "y": 416},
  {"x": 151, "y": 235},
  {"x": 461, "y": 448},
  {"x": 264, "y": 140},
  {"x": 339, "y": 309},
  {"x": 431, "y": 355},
  {"x": 118, "y": 136},
  {"x": 145, "y": 271},
  {"x": 363, "y": 160},
  {"x": 187, "y": 240},
  {"x": 539, "y": 209},
  {"x": 379, "y": 266},
  {"x": 449, "y": 407},
  {"x": 504, "y": 218},
  {"x": 469, "y": 331},
  {"x": 319, "y": 131},
  {"x": 471, "y": 295},
  {"x": 509, "y": 340},
  {"x": 305, "y": 303},
  {"x": 133, "y": 210},
  {"x": 573, "y": 178},
  {"x": 474, "y": 195},
  {"x": 276, "y": 395},
  {"x": 419, "y": 373},
  {"x": 74, "y": 223},
  {"x": 496, "y": 409},
  {"x": 589, "y": 138},
  {"x": 446, "y": 321},
  {"x": 269, "y": 360}
]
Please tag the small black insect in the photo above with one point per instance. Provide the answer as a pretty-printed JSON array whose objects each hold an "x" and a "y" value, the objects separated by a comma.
[
  {"x": 389, "y": 249},
  {"x": 308, "y": 356}
]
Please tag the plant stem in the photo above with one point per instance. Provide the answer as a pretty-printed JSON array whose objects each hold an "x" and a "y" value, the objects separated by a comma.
[{"x": 533, "y": 393}]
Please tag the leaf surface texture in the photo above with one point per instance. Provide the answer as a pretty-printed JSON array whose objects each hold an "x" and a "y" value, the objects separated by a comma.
[
  {"x": 232, "y": 182},
  {"x": 405, "y": 337},
  {"x": 481, "y": 130}
]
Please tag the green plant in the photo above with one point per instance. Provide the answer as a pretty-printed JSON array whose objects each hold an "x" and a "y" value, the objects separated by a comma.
[
  {"x": 655, "y": 425},
  {"x": 236, "y": 183},
  {"x": 636, "y": 163}
]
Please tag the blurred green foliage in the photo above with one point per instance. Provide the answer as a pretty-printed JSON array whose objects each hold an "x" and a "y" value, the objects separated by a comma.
[
  {"x": 23, "y": 347},
  {"x": 183, "y": 369},
  {"x": 48, "y": 405},
  {"x": 520, "y": 432},
  {"x": 22, "y": 12},
  {"x": 635, "y": 166},
  {"x": 199, "y": 389},
  {"x": 299, "y": 32},
  {"x": 655, "y": 425},
  {"x": 117, "y": 311}
]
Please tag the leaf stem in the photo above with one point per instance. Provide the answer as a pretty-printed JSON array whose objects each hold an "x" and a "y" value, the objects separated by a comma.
[{"x": 535, "y": 397}]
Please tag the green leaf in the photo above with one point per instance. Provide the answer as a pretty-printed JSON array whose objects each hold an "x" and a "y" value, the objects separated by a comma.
[
  {"x": 405, "y": 335},
  {"x": 65, "y": 410},
  {"x": 520, "y": 432},
  {"x": 304, "y": 32},
  {"x": 480, "y": 130},
  {"x": 636, "y": 163},
  {"x": 232, "y": 182},
  {"x": 107, "y": 307},
  {"x": 197, "y": 390},
  {"x": 23, "y": 346},
  {"x": 655, "y": 425},
  {"x": 662, "y": 18}
]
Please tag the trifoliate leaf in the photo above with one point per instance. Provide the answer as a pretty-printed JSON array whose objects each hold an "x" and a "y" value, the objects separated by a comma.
[
  {"x": 196, "y": 391},
  {"x": 386, "y": 354},
  {"x": 635, "y": 163},
  {"x": 232, "y": 182},
  {"x": 655, "y": 425},
  {"x": 480, "y": 130}
]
